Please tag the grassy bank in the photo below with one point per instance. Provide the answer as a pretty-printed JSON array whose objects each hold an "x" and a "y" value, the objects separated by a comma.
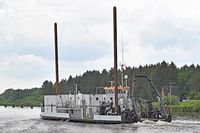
[{"x": 186, "y": 106}]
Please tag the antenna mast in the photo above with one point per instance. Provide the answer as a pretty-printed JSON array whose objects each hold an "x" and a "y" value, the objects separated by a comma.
[
  {"x": 122, "y": 48},
  {"x": 122, "y": 65}
]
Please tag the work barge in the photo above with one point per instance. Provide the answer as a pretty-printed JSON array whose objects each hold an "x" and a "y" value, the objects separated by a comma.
[{"x": 117, "y": 105}]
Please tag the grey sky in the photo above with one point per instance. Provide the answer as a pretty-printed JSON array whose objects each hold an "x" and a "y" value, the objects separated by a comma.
[{"x": 153, "y": 31}]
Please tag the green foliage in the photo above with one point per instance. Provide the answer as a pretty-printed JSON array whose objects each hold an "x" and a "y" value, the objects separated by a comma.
[
  {"x": 156, "y": 105},
  {"x": 186, "y": 81},
  {"x": 192, "y": 105},
  {"x": 19, "y": 97},
  {"x": 195, "y": 95},
  {"x": 174, "y": 100}
]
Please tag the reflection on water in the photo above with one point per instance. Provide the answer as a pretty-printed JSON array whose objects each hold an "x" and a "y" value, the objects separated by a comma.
[{"x": 28, "y": 120}]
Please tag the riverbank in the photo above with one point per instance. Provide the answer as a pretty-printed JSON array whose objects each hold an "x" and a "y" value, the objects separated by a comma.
[
  {"x": 190, "y": 106},
  {"x": 26, "y": 101},
  {"x": 186, "y": 115},
  {"x": 186, "y": 106}
]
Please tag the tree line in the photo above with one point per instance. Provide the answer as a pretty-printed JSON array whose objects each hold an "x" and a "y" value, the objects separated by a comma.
[{"x": 184, "y": 82}]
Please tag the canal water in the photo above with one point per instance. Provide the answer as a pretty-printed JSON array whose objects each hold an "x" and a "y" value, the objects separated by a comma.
[{"x": 26, "y": 120}]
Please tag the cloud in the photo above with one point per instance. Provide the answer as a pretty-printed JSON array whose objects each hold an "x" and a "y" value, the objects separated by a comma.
[
  {"x": 153, "y": 31},
  {"x": 163, "y": 34},
  {"x": 22, "y": 71}
]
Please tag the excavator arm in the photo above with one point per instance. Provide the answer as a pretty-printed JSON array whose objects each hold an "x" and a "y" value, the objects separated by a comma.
[{"x": 156, "y": 90}]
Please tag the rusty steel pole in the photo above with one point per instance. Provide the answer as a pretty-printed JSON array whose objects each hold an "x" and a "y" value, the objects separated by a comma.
[
  {"x": 56, "y": 59},
  {"x": 115, "y": 57}
]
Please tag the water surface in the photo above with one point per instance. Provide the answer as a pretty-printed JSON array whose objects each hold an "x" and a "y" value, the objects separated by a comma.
[{"x": 28, "y": 120}]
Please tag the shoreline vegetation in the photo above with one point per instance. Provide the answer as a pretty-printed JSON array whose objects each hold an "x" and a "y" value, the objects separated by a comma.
[
  {"x": 177, "y": 107},
  {"x": 187, "y": 106},
  {"x": 27, "y": 101},
  {"x": 183, "y": 82}
]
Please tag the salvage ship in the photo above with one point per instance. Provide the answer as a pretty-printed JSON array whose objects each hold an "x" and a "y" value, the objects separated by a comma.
[{"x": 117, "y": 105}]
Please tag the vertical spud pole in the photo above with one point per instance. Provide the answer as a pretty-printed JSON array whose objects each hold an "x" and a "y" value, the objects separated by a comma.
[
  {"x": 56, "y": 59},
  {"x": 115, "y": 57}
]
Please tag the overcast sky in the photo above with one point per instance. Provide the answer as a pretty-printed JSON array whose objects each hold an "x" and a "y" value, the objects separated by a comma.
[{"x": 153, "y": 31}]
